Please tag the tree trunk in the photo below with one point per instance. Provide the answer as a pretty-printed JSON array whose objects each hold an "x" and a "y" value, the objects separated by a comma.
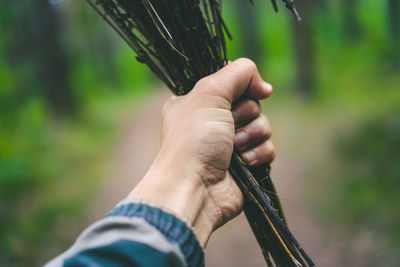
[
  {"x": 351, "y": 24},
  {"x": 394, "y": 20},
  {"x": 52, "y": 62},
  {"x": 304, "y": 50},
  {"x": 393, "y": 7},
  {"x": 247, "y": 17}
]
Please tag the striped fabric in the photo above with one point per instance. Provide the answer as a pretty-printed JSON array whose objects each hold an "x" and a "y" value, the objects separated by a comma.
[{"x": 135, "y": 233}]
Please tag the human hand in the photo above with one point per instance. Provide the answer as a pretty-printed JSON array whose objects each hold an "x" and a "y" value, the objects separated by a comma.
[{"x": 189, "y": 175}]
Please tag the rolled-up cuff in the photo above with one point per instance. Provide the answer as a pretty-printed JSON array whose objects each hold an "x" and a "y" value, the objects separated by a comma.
[{"x": 174, "y": 229}]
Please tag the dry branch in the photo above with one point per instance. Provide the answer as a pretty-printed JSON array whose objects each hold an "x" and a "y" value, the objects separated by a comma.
[{"x": 182, "y": 41}]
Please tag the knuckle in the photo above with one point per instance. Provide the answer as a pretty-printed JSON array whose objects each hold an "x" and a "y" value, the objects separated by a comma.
[
  {"x": 212, "y": 88},
  {"x": 247, "y": 64},
  {"x": 254, "y": 107},
  {"x": 247, "y": 109},
  {"x": 265, "y": 126},
  {"x": 271, "y": 151},
  {"x": 207, "y": 84}
]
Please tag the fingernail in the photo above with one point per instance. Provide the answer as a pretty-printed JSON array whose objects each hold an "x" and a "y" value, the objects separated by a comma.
[
  {"x": 241, "y": 138},
  {"x": 267, "y": 87},
  {"x": 250, "y": 157}
]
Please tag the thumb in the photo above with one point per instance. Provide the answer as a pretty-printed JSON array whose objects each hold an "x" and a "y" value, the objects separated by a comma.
[{"x": 235, "y": 79}]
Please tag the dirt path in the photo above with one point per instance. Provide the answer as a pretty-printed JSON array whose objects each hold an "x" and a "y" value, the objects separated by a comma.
[
  {"x": 234, "y": 244},
  {"x": 139, "y": 140}
]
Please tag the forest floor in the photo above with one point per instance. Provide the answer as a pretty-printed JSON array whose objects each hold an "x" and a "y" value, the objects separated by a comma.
[{"x": 300, "y": 145}]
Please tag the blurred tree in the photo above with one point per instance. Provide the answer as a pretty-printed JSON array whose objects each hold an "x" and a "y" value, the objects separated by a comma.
[
  {"x": 46, "y": 52},
  {"x": 304, "y": 48},
  {"x": 38, "y": 52},
  {"x": 53, "y": 64},
  {"x": 393, "y": 7},
  {"x": 394, "y": 19},
  {"x": 351, "y": 25},
  {"x": 250, "y": 43},
  {"x": 322, "y": 5}
]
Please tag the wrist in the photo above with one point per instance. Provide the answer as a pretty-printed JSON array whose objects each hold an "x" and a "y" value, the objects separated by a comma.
[{"x": 181, "y": 191}]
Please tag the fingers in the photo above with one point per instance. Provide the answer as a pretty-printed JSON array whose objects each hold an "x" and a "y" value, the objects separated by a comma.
[
  {"x": 261, "y": 154},
  {"x": 235, "y": 79},
  {"x": 244, "y": 111},
  {"x": 254, "y": 133}
]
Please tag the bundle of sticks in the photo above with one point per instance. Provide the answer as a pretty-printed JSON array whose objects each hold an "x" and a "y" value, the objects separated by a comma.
[{"x": 182, "y": 41}]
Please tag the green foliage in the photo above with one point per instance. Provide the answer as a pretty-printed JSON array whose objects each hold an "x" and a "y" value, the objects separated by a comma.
[
  {"x": 368, "y": 192},
  {"x": 50, "y": 169},
  {"x": 50, "y": 165}
]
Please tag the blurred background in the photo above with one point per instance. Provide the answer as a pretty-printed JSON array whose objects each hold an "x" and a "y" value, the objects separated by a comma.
[{"x": 80, "y": 118}]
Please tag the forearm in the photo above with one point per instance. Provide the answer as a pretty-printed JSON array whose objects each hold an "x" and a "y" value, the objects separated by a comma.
[{"x": 179, "y": 190}]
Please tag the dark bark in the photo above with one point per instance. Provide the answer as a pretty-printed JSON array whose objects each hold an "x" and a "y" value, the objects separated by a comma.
[
  {"x": 305, "y": 83},
  {"x": 36, "y": 54},
  {"x": 51, "y": 59},
  {"x": 350, "y": 23},
  {"x": 247, "y": 17},
  {"x": 393, "y": 13},
  {"x": 322, "y": 5},
  {"x": 394, "y": 20}
]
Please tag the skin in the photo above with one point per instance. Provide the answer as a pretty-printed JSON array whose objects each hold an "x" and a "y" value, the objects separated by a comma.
[{"x": 189, "y": 175}]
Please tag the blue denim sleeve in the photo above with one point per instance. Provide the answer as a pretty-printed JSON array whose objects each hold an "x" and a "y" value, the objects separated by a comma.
[{"x": 135, "y": 233}]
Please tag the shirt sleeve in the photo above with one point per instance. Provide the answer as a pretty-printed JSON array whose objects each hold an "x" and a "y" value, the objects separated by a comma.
[{"x": 135, "y": 233}]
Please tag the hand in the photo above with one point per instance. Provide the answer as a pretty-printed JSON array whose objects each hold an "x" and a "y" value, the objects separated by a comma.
[{"x": 189, "y": 175}]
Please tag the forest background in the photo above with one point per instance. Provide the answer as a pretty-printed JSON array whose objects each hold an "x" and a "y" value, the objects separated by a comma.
[{"x": 68, "y": 82}]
